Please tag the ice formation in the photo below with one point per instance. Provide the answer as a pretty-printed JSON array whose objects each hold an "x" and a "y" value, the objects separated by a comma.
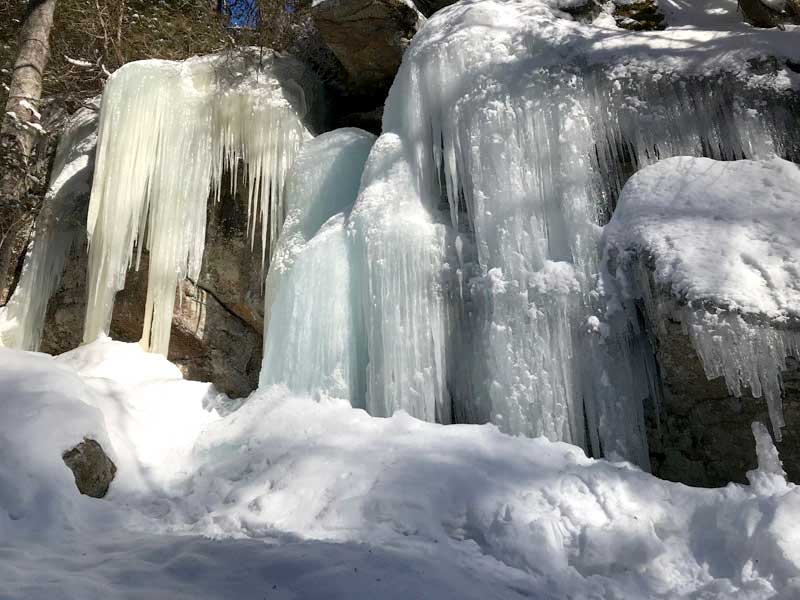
[
  {"x": 723, "y": 239},
  {"x": 515, "y": 148},
  {"x": 59, "y": 228},
  {"x": 167, "y": 133},
  {"x": 312, "y": 306}
]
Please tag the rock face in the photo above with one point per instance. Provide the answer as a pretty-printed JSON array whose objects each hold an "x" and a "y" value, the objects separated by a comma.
[
  {"x": 217, "y": 321},
  {"x": 639, "y": 15},
  {"x": 698, "y": 432},
  {"x": 92, "y": 468},
  {"x": 368, "y": 37},
  {"x": 762, "y": 14}
]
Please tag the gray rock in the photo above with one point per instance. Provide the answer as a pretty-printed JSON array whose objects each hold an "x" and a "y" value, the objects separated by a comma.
[
  {"x": 698, "y": 432},
  {"x": 641, "y": 15},
  {"x": 92, "y": 468}
]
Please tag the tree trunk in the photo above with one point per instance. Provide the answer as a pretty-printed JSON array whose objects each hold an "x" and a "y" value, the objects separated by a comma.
[{"x": 23, "y": 159}]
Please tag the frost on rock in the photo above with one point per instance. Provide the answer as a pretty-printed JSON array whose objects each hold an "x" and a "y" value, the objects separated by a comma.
[
  {"x": 59, "y": 227},
  {"x": 723, "y": 239},
  {"x": 168, "y": 131},
  {"x": 312, "y": 306}
]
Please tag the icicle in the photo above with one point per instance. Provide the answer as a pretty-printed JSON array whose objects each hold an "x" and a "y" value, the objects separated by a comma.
[
  {"x": 58, "y": 229},
  {"x": 314, "y": 338},
  {"x": 168, "y": 131}
]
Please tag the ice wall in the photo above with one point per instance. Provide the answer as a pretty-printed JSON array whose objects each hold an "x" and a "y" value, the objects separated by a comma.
[
  {"x": 167, "y": 133},
  {"x": 314, "y": 337},
  {"x": 401, "y": 254},
  {"x": 59, "y": 227},
  {"x": 517, "y": 127}
]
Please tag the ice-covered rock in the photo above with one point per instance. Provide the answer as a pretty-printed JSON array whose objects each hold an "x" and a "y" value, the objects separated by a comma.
[{"x": 707, "y": 253}]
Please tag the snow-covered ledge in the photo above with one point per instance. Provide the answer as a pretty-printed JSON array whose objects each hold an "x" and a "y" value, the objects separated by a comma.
[{"x": 708, "y": 252}]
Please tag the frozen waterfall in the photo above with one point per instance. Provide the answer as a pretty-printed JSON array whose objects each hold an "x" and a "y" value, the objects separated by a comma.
[
  {"x": 59, "y": 227},
  {"x": 167, "y": 133},
  {"x": 312, "y": 306}
]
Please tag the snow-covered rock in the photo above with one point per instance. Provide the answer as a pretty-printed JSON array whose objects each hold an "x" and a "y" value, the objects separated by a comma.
[{"x": 708, "y": 252}]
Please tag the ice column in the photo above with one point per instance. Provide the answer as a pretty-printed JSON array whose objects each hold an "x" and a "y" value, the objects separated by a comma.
[
  {"x": 401, "y": 250},
  {"x": 314, "y": 338}
]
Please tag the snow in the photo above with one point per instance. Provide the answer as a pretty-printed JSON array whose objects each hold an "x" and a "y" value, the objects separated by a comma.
[
  {"x": 291, "y": 497},
  {"x": 724, "y": 232},
  {"x": 723, "y": 238},
  {"x": 186, "y": 123}
]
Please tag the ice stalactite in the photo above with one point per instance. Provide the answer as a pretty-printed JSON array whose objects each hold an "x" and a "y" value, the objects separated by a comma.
[
  {"x": 167, "y": 133},
  {"x": 59, "y": 227},
  {"x": 314, "y": 338}
]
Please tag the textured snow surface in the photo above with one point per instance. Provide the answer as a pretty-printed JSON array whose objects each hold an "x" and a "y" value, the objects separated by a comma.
[
  {"x": 305, "y": 498},
  {"x": 724, "y": 232}
]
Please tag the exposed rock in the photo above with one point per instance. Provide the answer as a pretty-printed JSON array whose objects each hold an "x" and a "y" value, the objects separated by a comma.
[
  {"x": 760, "y": 14},
  {"x": 698, "y": 432},
  {"x": 92, "y": 468},
  {"x": 369, "y": 38},
  {"x": 217, "y": 322},
  {"x": 428, "y": 7},
  {"x": 638, "y": 15},
  {"x": 211, "y": 340}
]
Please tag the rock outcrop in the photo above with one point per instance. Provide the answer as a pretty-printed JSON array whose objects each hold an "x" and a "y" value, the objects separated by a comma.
[
  {"x": 93, "y": 469},
  {"x": 369, "y": 38},
  {"x": 698, "y": 432}
]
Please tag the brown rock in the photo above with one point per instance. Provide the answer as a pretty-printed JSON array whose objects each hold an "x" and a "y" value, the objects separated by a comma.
[{"x": 368, "y": 37}]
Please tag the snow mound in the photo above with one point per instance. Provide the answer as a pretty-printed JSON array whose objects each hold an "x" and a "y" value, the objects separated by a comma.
[
  {"x": 472, "y": 512},
  {"x": 724, "y": 232}
]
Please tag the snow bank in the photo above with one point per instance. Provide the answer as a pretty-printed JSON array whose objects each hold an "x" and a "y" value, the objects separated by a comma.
[
  {"x": 472, "y": 512},
  {"x": 45, "y": 410}
]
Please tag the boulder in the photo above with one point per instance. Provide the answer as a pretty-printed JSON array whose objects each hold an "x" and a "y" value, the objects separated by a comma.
[
  {"x": 698, "y": 432},
  {"x": 369, "y": 38},
  {"x": 93, "y": 469},
  {"x": 638, "y": 15},
  {"x": 775, "y": 13}
]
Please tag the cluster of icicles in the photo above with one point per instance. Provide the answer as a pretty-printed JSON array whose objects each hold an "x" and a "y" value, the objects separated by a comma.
[
  {"x": 448, "y": 268},
  {"x": 168, "y": 132}
]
